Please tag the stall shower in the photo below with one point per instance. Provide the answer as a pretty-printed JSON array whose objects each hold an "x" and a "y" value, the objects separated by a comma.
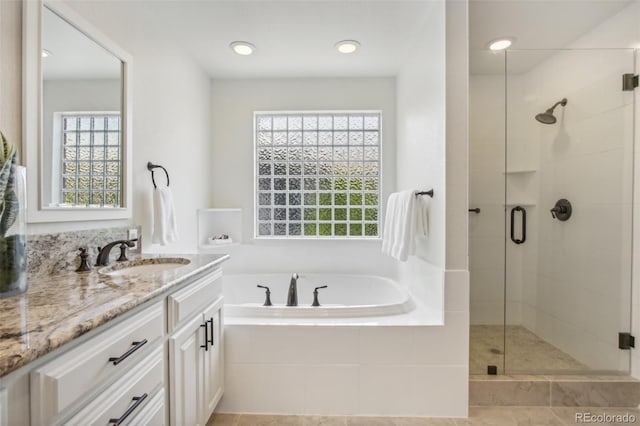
[{"x": 550, "y": 212}]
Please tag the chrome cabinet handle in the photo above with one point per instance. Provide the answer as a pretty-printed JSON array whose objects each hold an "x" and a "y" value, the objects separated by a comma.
[
  {"x": 135, "y": 347},
  {"x": 138, "y": 400}
]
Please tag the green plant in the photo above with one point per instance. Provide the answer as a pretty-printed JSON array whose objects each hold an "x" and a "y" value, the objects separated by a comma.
[{"x": 12, "y": 247}]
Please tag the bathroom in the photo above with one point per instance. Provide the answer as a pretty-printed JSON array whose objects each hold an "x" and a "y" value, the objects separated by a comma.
[{"x": 188, "y": 93}]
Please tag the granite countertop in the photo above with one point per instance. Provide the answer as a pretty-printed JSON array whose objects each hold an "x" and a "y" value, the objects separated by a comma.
[{"x": 58, "y": 308}]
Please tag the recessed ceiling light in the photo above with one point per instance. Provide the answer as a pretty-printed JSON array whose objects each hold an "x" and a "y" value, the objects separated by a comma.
[
  {"x": 501, "y": 43},
  {"x": 45, "y": 53},
  {"x": 242, "y": 48},
  {"x": 347, "y": 46}
]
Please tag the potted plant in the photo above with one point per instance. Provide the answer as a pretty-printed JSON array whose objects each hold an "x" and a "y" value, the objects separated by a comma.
[{"x": 13, "y": 256}]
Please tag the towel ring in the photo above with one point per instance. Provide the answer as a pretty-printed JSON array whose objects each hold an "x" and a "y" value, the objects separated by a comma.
[{"x": 150, "y": 167}]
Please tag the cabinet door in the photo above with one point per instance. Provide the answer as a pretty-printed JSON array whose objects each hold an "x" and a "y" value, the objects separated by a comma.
[
  {"x": 186, "y": 369},
  {"x": 213, "y": 358}
]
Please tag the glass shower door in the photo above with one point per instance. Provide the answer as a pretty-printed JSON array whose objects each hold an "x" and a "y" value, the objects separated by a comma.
[
  {"x": 568, "y": 183},
  {"x": 486, "y": 212}
]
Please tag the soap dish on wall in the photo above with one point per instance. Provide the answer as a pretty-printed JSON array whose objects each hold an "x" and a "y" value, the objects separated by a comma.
[{"x": 220, "y": 240}]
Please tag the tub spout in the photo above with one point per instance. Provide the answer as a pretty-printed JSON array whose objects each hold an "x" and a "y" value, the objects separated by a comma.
[{"x": 292, "y": 297}]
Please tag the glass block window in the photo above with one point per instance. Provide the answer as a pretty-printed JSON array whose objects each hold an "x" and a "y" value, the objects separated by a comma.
[
  {"x": 317, "y": 174},
  {"x": 91, "y": 159}
]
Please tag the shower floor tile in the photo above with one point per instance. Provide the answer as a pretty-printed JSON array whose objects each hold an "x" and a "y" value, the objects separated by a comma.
[{"x": 526, "y": 352}]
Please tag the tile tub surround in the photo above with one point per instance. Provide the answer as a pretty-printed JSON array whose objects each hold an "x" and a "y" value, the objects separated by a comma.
[
  {"x": 61, "y": 307},
  {"x": 554, "y": 391},
  {"x": 53, "y": 253}
]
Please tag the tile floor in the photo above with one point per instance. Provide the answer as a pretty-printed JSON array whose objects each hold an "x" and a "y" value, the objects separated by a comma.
[
  {"x": 526, "y": 352},
  {"x": 489, "y": 416}
]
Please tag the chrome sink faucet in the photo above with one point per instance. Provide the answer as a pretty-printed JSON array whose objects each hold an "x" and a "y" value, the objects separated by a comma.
[
  {"x": 103, "y": 253},
  {"x": 292, "y": 297}
]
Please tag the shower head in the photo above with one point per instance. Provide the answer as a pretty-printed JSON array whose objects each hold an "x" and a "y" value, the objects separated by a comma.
[{"x": 547, "y": 117}]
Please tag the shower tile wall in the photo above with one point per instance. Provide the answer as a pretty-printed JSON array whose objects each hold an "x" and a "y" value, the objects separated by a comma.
[
  {"x": 577, "y": 301},
  {"x": 569, "y": 283}
]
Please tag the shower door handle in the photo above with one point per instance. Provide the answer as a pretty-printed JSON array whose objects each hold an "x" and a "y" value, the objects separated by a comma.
[{"x": 524, "y": 225}]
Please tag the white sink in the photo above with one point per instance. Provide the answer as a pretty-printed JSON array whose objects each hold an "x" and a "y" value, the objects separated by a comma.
[{"x": 144, "y": 266}]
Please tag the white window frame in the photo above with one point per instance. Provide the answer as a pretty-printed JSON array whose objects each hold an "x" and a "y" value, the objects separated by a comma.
[{"x": 378, "y": 192}]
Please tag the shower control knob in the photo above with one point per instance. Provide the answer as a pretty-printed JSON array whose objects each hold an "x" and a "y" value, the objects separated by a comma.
[{"x": 562, "y": 210}]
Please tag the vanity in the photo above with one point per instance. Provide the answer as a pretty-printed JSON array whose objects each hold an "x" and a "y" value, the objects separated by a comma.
[
  {"x": 143, "y": 346},
  {"x": 91, "y": 348}
]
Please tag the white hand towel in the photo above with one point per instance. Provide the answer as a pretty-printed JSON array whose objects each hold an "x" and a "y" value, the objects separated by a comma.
[
  {"x": 422, "y": 216},
  {"x": 398, "y": 239},
  {"x": 165, "y": 229}
]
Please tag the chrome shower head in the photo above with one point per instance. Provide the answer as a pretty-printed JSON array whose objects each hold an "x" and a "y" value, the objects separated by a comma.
[{"x": 547, "y": 117}]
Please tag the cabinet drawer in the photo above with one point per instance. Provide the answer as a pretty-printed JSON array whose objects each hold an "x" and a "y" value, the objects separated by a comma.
[
  {"x": 153, "y": 414},
  {"x": 127, "y": 398},
  {"x": 183, "y": 304},
  {"x": 65, "y": 381}
]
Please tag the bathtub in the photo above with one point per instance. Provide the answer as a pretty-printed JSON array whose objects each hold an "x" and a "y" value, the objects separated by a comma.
[
  {"x": 369, "y": 339},
  {"x": 345, "y": 296}
]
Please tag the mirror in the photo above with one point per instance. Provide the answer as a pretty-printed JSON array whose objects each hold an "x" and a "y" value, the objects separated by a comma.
[{"x": 76, "y": 121}]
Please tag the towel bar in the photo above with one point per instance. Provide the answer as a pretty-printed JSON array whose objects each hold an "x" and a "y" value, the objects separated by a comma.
[
  {"x": 151, "y": 166},
  {"x": 429, "y": 193}
]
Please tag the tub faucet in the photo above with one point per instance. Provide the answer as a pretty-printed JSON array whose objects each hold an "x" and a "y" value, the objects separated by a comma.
[{"x": 292, "y": 297}]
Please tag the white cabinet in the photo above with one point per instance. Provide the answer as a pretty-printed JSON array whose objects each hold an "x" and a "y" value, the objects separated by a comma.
[
  {"x": 213, "y": 358},
  {"x": 61, "y": 386},
  {"x": 121, "y": 371},
  {"x": 128, "y": 397},
  {"x": 195, "y": 367},
  {"x": 185, "y": 372}
]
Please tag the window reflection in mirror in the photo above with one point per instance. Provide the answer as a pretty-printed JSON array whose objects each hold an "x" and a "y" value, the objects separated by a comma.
[{"x": 81, "y": 113}]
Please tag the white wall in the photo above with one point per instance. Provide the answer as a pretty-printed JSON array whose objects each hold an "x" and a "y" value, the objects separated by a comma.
[
  {"x": 421, "y": 130},
  {"x": 233, "y": 104},
  {"x": 11, "y": 71},
  {"x": 432, "y": 152}
]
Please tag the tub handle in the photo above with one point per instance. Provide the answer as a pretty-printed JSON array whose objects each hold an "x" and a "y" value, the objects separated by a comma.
[
  {"x": 267, "y": 301},
  {"x": 315, "y": 296}
]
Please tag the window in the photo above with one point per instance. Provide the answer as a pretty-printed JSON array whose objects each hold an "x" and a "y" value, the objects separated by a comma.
[
  {"x": 317, "y": 174},
  {"x": 91, "y": 159}
]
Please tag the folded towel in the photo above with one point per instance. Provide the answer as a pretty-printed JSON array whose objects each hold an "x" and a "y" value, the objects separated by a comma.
[
  {"x": 422, "y": 216},
  {"x": 406, "y": 218},
  {"x": 165, "y": 229}
]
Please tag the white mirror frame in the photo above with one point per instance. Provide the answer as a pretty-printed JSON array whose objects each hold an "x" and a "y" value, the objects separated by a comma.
[{"x": 32, "y": 116}]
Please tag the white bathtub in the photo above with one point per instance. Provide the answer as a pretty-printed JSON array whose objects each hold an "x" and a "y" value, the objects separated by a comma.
[{"x": 345, "y": 296}]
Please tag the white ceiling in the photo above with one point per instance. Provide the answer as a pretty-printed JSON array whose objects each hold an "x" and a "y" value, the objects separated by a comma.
[
  {"x": 537, "y": 24},
  {"x": 73, "y": 55},
  {"x": 295, "y": 38}
]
